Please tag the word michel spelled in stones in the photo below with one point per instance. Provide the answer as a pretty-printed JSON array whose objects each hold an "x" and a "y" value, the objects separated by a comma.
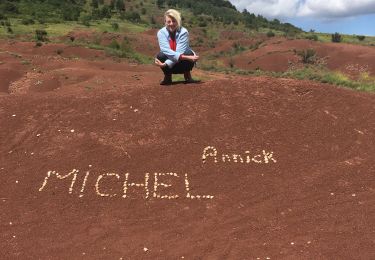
[
  {"x": 154, "y": 192},
  {"x": 210, "y": 154}
]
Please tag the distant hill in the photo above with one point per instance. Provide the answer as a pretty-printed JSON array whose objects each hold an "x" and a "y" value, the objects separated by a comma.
[{"x": 202, "y": 13}]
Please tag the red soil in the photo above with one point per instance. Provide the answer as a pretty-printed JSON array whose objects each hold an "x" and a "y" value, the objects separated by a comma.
[
  {"x": 315, "y": 201},
  {"x": 277, "y": 54}
]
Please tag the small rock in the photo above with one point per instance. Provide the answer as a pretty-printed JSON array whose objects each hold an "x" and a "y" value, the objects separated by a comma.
[{"x": 145, "y": 249}]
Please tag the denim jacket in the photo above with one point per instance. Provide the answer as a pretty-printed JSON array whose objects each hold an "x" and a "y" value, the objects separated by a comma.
[{"x": 182, "y": 42}]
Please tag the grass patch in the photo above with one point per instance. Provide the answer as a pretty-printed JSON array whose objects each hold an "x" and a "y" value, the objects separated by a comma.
[
  {"x": 352, "y": 39},
  {"x": 332, "y": 77},
  {"x": 124, "y": 26},
  {"x": 311, "y": 72},
  {"x": 180, "y": 77}
]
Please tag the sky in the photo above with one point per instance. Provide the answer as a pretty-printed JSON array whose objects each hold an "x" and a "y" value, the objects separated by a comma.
[{"x": 328, "y": 16}]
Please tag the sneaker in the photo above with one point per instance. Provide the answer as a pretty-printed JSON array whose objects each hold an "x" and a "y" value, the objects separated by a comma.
[
  {"x": 167, "y": 80},
  {"x": 191, "y": 81}
]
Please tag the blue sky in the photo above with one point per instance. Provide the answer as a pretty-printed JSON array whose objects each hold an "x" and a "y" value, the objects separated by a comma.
[{"x": 343, "y": 16}]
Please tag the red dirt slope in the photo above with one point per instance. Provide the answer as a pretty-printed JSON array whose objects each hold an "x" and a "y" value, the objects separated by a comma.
[
  {"x": 277, "y": 54},
  {"x": 289, "y": 164}
]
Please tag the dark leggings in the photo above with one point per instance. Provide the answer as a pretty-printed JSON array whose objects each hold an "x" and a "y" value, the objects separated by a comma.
[{"x": 180, "y": 67}]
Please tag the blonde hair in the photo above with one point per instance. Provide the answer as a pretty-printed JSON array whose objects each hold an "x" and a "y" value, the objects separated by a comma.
[{"x": 175, "y": 15}]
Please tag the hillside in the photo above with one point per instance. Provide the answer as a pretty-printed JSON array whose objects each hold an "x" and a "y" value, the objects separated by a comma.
[
  {"x": 261, "y": 160},
  {"x": 203, "y": 13},
  {"x": 93, "y": 154}
]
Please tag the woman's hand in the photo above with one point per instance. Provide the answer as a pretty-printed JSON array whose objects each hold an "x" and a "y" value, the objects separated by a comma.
[
  {"x": 159, "y": 63},
  {"x": 192, "y": 58}
]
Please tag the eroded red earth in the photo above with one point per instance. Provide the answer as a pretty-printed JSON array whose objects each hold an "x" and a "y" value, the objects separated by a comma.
[{"x": 289, "y": 163}]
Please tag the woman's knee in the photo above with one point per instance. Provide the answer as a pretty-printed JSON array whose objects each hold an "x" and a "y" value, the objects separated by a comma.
[{"x": 162, "y": 57}]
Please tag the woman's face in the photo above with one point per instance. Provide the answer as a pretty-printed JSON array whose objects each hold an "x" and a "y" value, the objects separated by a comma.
[{"x": 170, "y": 23}]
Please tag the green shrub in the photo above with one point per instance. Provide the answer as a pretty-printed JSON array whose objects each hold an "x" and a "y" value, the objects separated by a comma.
[
  {"x": 308, "y": 56},
  {"x": 133, "y": 16},
  {"x": 9, "y": 7},
  {"x": 41, "y": 35},
  {"x": 105, "y": 12},
  {"x": 9, "y": 29},
  {"x": 152, "y": 20},
  {"x": 85, "y": 19},
  {"x": 312, "y": 37},
  {"x": 336, "y": 37},
  {"x": 202, "y": 24},
  {"x": 270, "y": 34},
  {"x": 361, "y": 37},
  {"x": 27, "y": 21},
  {"x": 115, "y": 26},
  {"x": 114, "y": 45}
]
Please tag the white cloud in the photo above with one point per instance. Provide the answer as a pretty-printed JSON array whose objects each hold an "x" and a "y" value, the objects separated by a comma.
[
  {"x": 336, "y": 8},
  {"x": 307, "y": 8}
]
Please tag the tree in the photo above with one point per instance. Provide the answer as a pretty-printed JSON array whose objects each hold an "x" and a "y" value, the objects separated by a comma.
[
  {"x": 160, "y": 3},
  {"x": 120, "y": 5},
  {"x": 95, "y": 3},
  {"x": 105, "y": 12},
  {"x": 336, "y": 37}
]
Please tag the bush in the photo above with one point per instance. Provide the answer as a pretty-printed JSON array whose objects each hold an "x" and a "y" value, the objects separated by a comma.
[
  {"x": 9, "y": 30},
  {"x": 115, "y": 26},
  {"x": 152, "y": 20},
  {"x": 9, "y": 7},
  {"x": 27, "y": 21},
  {"x": 336, "y": 37},
  {"x": 308, "y": 56},
  {"x": 85, "y": 19},
  {"x": 312, "y": 37},
  {"x": 41, "y": 35},
  {"x": 202, "y": 24},
  {"x": 270, "y": 34},
  {"x": 114, "y": 45},
  {"x": 133, "y": 16},
  {"x": 70, "y": 14},
  {"x": 38, "y": 44},
  {"x": 361, "y": 37}
]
